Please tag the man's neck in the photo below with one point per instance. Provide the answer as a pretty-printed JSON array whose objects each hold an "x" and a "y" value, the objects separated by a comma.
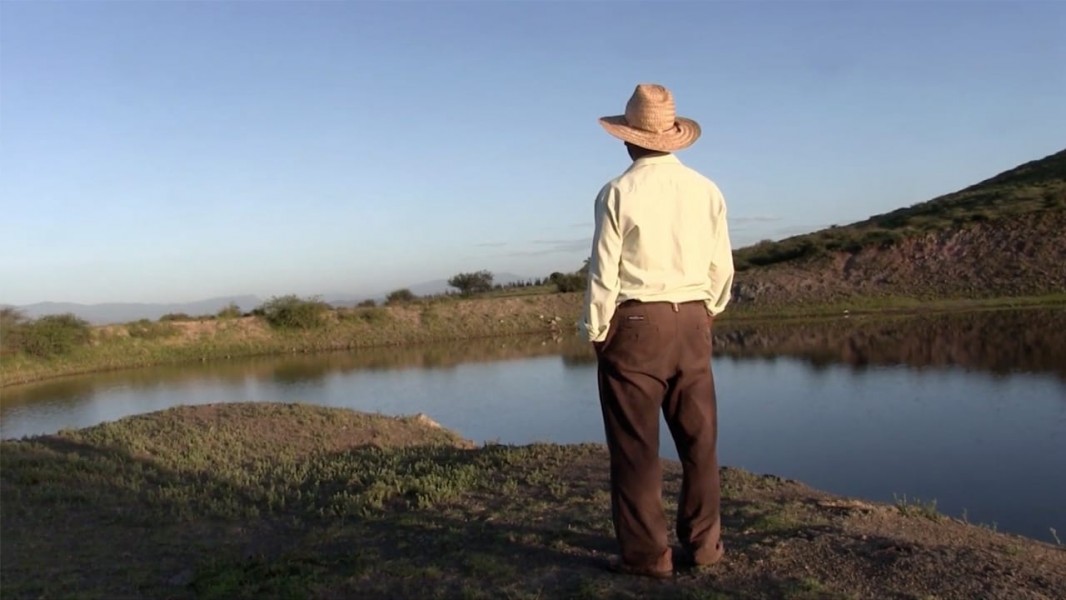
[{"x": 649, "y": 154}]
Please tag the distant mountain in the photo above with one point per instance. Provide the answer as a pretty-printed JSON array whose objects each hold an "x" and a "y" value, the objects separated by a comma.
[
  {"x": 114, "y": 312},
  {"x": 124, "y": 312},
  {"x": 1003, "y": 236}
]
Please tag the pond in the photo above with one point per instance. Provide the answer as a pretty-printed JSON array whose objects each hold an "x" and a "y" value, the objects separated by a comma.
[{"x": 968, "y": 409}]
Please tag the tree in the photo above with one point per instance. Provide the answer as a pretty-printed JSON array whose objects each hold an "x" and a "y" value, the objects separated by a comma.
[
  {"x": 472, "y": 283},
  {"x": 570, "y": 282}
]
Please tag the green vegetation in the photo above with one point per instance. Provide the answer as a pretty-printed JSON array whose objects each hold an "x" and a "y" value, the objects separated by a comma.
[
  {"x": 569, "y": 282},
  {"x": 45, "y": 337},
  {"x": 1033, "y": 188},
  {"x": 293, "y": 501},
  {"x": 230, "y": 311},
  {"x": 367, "y": 314},
  {"x": 299, "y": 326},
  {"x": 507, "y": 312},
  {"x": 469, "y": 284},
  {"x": 293, "y": 312},
  {"x": 915, "y": 507},
  {"x": 400, "y": 296},
  {"x": 176, "y": 317}
]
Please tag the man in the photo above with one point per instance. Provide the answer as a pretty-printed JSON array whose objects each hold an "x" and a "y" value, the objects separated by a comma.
[{"x": 661, "y": 269}]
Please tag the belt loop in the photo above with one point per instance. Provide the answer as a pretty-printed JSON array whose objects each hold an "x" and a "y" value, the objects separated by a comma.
[{"x": 675, "y": 307}]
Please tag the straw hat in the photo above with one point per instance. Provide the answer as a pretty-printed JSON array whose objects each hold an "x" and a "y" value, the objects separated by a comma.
[{"x": 651, "y": 121}]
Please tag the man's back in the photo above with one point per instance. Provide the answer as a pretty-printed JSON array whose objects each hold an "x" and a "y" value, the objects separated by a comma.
[
  {"x": 661, "y": 236},
  {"x": 666, "y": 213}
]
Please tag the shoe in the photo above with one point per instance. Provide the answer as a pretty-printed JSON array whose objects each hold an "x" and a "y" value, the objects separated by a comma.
[{"x": 618, "y": 566}]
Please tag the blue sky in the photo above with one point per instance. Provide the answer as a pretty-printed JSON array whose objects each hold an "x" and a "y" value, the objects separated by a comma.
[{"x": 173, "y": 151}]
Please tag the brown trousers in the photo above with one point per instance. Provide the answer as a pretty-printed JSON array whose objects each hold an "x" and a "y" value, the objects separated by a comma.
[{"x": 658, "y": 356}]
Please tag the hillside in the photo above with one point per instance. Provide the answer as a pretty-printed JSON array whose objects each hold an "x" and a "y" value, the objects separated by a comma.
[
  {"x": 1001, "y": 237},
  {"x": 120, "y": 312}
]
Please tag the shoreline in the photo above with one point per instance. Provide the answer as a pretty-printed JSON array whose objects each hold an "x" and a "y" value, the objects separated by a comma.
[
  {"x": 190, "y": 342},
  {"x": 275, "y": 500}
]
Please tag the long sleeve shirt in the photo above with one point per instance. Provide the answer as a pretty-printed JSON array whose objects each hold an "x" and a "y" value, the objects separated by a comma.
[{"x": 660, "y": 236}]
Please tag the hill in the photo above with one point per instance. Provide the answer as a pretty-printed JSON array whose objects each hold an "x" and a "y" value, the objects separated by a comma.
[
  {"x": 119, "y": 312},
  {"x": 1001, "y": 237}
]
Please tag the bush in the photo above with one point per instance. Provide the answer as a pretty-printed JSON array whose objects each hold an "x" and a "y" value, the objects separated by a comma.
[
  {"x": 400, "y": 296},
  {"x": 374, "y": 315},
  {"x": 147, "y": 330},
  {"x": 11, "y": 321},
  {"x": 51, "y": 335},
  {"x": 368, "y": 303},
  {"x": 176, "y": 317},
  {"x": 230, "y": 311},
  {"x": 569, "y": 282},
  {"x": 292, "y": 312}
]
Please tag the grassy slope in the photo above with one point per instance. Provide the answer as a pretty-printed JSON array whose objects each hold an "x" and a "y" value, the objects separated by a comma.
[
  {"x": 281, "y": 501},
  {"x": 1036, "y": 188}
]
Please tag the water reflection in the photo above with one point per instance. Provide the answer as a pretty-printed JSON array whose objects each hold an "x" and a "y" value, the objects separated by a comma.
[
  {"x": 969, "y": 409},
  {"x": 1000, "y": 342},
  {"x": 294, "y": 370}
]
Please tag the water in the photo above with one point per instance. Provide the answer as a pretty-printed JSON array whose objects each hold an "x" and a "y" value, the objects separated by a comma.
[{"x": 968, "y": 410}]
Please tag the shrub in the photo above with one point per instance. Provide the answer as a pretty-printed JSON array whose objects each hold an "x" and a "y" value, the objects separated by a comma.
[
  {"x": 374, "y": 315},
  {"x": 568, "y": 282},
  {"x": 52, "y": 335},
  {"x": 368, "y": 303},
  {"x": 176, "y": 317},
  {"x": 147, "y": 330},
  {"x": 11, "y": 321},
  {"x": 400, "y": 296},
  {"x": 292, "y": 312},
  {"x": 230, "y": 311}
]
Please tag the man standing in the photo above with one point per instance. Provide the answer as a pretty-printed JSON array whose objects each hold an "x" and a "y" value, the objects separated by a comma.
[{"x": 661, "y": 269}]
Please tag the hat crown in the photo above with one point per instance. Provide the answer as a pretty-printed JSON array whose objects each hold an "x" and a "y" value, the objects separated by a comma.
[
  {"x": 651, "y": 121},
  {"x": 651, "y": 108}
]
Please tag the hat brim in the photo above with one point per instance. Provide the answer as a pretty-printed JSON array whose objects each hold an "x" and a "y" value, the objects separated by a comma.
[{"x": 684, "y": 133}]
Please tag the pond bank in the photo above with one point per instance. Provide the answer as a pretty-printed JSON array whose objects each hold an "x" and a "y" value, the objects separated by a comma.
[
  {"x": 248, "y": 501},
  {"x": 137, "y": 345}
]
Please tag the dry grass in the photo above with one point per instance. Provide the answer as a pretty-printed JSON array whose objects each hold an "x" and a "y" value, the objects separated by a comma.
[{"x": 282, "y": 501}]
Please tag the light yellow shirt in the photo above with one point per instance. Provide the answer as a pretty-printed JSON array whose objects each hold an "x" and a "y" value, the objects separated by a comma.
[{"x": 660, "y": 236}]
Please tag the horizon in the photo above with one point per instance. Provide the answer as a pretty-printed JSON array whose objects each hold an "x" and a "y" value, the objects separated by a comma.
[
  {"x": 168, "y": 153},
  {"x": 335, "y": 298}
]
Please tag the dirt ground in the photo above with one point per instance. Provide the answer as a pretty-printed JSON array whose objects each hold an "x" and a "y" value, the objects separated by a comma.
[{"x": 287, "y": 501}]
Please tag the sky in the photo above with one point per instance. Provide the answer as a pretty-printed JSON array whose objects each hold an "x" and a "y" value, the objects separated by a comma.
[{"x": 176, "y": 151}]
